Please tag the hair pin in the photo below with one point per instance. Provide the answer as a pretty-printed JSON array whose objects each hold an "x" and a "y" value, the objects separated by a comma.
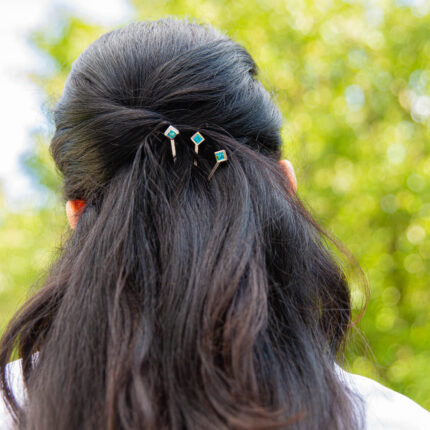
[
  {"x": 220, "y": 157},
  {"x": 197, "y": 139},
  {"x": 171, "y": 133}
]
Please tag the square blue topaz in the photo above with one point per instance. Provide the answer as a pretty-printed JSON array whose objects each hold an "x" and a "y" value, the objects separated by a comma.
[
  {"x": 171, "y": 132},
  {"x": 197, "y": 138},
  {"x": 220, "y": 156}
]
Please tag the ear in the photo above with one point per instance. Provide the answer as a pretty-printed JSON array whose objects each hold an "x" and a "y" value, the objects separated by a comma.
[
  {"x": 289, "y": 172},
  {"x": 74, "y": 208}
]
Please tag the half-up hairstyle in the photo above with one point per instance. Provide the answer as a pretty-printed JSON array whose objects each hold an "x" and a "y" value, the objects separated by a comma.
[{"x": 178, "y": 302}]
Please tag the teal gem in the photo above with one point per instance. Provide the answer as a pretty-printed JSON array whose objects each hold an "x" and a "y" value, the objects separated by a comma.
[
  {"x": 197, "y": 138},
  {"x": 171, "y": 132},
  {"x": 220, "y": 156}
]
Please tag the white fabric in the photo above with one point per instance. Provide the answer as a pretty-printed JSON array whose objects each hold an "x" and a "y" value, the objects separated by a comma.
[
  {"x": 385, "y": 409},
  {"x": 14, "y": 376}
]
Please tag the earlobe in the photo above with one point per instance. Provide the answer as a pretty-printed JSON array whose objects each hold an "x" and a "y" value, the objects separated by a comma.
[
  {"x": 74, "y": 208},
  {"x": 289, "y": 172}
]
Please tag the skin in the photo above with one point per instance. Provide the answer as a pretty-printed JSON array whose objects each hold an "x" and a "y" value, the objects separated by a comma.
[{"x": 74, "y": 208}]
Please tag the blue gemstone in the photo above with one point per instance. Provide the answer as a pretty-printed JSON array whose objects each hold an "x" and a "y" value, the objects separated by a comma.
[
  {"x": 171, "y": 132},
  {"x": 220, "y": 156},
  {"x": 197, "y": 138}
]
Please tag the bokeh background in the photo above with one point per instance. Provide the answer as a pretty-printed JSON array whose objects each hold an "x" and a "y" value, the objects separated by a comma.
[{"x": 352, "y": 79}]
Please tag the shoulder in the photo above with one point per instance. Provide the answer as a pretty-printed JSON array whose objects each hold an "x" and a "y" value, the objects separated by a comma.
[
  {"x": 385, "y": 408},
  {"x": 14, "y": 377}
]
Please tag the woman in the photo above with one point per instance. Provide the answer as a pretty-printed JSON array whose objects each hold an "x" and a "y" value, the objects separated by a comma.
[{"x": 195, "y": 292}]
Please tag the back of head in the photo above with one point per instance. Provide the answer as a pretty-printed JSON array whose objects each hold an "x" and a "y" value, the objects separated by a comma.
[{"x": 180, "y": 302}]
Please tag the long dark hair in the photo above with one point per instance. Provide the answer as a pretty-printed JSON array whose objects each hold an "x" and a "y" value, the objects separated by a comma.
[{"x": 178, "y": 302}]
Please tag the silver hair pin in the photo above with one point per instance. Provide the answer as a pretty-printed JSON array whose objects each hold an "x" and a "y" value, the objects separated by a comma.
[
  {"x": 220, "y": 157},
  {"x": 171, "y": 133},
  {"x": 197, "y": 139}
]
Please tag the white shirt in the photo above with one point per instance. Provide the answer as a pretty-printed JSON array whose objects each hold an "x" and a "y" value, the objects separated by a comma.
[{"x": 385, "y": 409}]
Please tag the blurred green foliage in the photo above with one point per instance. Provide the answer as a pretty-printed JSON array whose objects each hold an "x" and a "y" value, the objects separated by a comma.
[{"x": 352, "y": 79}]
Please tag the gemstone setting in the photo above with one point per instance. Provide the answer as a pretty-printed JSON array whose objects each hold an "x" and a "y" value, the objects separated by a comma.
[
  {"x": 197, "y": 138},
  {"x": 220, "y": 156},
  {"x": 171, "y": 132}
]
